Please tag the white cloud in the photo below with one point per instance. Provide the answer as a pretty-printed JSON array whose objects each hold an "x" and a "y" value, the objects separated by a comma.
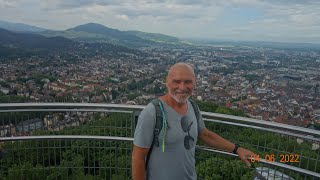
[
  {"x": 8, "y": 3},
  {"x": 289, "y": 19},
  {"x": 122, "y": 17}
]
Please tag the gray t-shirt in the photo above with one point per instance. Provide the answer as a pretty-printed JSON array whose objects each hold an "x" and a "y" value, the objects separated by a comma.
[{"x": 175, "y": 157}]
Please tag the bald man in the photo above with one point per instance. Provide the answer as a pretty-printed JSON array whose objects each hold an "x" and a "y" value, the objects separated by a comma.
[{"x": 174, "y": 158}]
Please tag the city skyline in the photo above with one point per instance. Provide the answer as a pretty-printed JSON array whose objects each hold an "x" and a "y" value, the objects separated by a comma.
[{"x": 252, "y": 20}]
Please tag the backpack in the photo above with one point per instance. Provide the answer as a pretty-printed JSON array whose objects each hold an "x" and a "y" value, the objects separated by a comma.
[{"x": 159, "y": 121}]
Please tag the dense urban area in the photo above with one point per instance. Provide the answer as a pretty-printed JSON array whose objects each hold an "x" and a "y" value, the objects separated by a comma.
[{"x": 269, "y": 84}]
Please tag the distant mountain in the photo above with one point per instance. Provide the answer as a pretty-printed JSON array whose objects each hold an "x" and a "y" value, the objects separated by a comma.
[
  {"x": 25, "y": 40},
  {"x": 93, "y": 32},
  {"x": 15, "y": 45},
  {"x": 156, "y": 37},
  {"x": 97, "y": 29},
  {"x": 20, "y": 27},
  {"x": 109, "y": 34}
]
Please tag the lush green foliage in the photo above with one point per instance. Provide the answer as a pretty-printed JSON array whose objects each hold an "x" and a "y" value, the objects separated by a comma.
[
  {"x": 73, "y": 159},
  {"x": 211, "y": 107},
  {"x": 11, "y": 98},
  {"x": 251, "y": 77}
]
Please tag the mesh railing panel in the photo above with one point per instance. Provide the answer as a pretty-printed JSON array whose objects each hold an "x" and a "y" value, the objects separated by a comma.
[
  {"x": 66, "y": 159},
  {"x": 273, "y": 147}
]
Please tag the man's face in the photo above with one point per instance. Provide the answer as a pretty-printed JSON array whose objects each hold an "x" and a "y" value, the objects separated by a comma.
[{"x": 180, "y": 84}]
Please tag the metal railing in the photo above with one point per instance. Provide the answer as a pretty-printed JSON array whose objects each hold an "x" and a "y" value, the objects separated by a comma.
[{"x": 85, "y": 141}]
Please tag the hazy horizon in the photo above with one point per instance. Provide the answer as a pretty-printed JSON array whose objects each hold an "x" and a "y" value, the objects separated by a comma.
[{"x": 237, "y": 20}]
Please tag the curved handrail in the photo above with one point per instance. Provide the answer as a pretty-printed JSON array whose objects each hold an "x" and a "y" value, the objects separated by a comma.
[
  {"x": 265, "y": 129},
  {"x": 261, "y": 122},
  {"x": 64, "y": 110},
  {"x": 87, "y": 105},
  {"x": 50, "y": 137},
  {"x": 11, "y": 107}
]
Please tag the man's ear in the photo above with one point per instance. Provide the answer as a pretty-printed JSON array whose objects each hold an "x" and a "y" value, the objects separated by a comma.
[
  {"x": 167, "y": 85},
  {"x": 194, "y": 85}
]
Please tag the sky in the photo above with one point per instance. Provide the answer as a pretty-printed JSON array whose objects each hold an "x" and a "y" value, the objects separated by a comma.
[{"x": 251, "y": 20}]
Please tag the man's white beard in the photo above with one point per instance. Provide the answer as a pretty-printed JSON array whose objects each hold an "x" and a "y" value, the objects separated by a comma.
[{"x": 180, "y": 101}]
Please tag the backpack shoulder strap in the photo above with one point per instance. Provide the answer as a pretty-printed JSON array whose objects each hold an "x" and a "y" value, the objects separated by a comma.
[
  {"x": 157, "y": 128},
  {"x": 159, "y": 118},
  {"x": 196, "y": 109}
]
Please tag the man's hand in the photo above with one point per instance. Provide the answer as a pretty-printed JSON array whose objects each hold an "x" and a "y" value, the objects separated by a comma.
[
  {"x": 215, "y": 141},
  {"x": 244, "y": 154}
]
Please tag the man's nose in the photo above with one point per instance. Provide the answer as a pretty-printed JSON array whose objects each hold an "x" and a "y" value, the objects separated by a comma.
[{"x": 182, "y": 85}]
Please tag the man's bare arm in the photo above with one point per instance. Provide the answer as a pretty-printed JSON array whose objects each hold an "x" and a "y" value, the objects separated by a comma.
[
  {"x": 138, "y": 162},
  {"x": 214, "y": 140}
]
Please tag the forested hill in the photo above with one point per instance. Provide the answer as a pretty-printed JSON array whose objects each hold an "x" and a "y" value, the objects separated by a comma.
[
  {"x": 20, "y": 45},
  {"x": 212, "y": 107},
  {"x": 26, "y": 40},
  {"x": 92, "y": 32}
]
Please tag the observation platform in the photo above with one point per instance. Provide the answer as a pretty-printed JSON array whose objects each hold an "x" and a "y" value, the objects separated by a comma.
[{"x": 94, "y": 141}]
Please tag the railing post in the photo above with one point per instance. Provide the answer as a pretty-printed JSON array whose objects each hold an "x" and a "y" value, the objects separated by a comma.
[{"x": 3, "y": 153}]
